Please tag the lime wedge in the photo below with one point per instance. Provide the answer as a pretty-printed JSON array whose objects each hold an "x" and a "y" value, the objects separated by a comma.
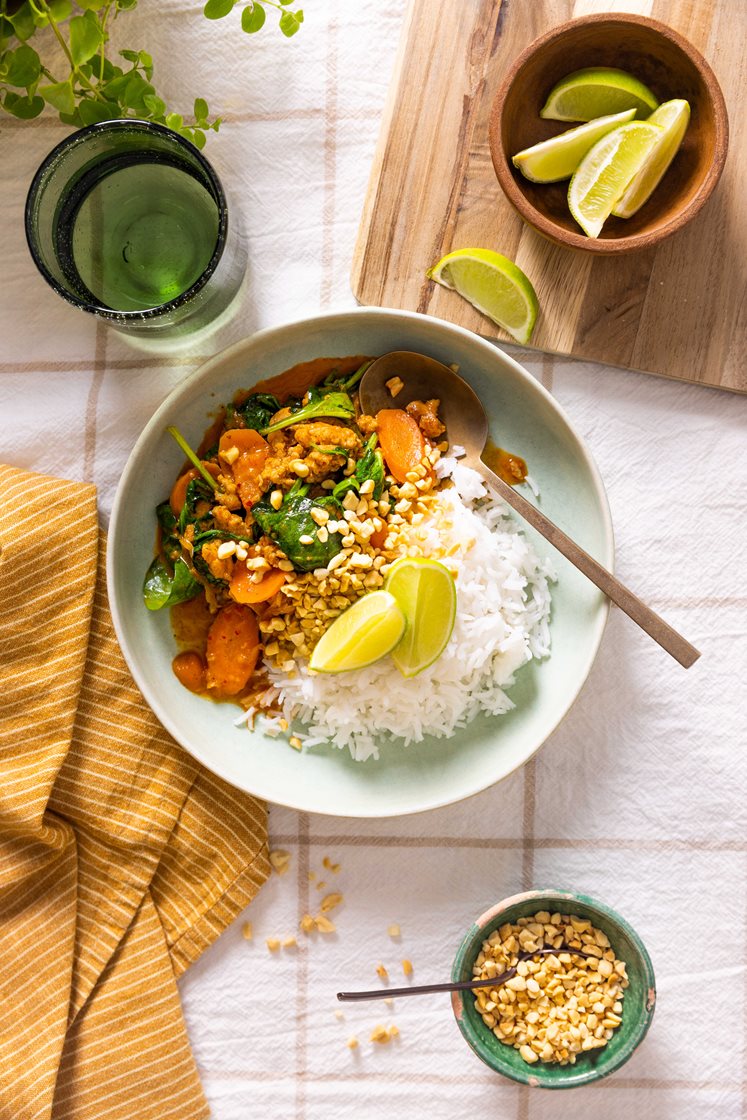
[
  {"x": 361, "y": 635},
  {"x": 426, "y": 594},
  {"x": 559, "y": 157},
  {"x": 605, "y": 172},
  {"x": 597, "y": 92},
  {"x": 673, "y": 118},
  {"x": 494, "y": 285}
]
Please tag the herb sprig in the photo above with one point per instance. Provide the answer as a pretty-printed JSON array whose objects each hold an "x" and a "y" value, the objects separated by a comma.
[{"x": 91, "y": 87}]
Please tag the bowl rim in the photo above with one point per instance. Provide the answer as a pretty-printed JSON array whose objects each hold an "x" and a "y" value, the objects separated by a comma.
[
  {"x": 606, "y": 246},
  {"x": 156, "y": 422},
  {"x": 575, "y": 1077}
]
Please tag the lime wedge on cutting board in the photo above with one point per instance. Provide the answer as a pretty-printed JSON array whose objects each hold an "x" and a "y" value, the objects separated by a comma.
[
  {"x": 361, "y": 635},
  {"x": 494, "y": 285},
  {"x": 558, "y": 157},
  {"x": 605, "y": 172},
  {"x": 673, "y": 118},
  {"x": 597, "y": 92},
  {"x": 426, "y": 594}
]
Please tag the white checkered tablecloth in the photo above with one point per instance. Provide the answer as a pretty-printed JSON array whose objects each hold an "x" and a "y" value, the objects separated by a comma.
[{"x": 638, "y": 798}]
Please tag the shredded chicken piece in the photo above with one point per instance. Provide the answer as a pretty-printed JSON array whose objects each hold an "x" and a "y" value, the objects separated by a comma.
[{"x": 426, "y": 414}]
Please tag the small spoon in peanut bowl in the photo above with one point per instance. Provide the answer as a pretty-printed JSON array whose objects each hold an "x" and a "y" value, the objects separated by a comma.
[
  {"x": 418, "y": 377},
  {"x": 579, "y": 1018}
]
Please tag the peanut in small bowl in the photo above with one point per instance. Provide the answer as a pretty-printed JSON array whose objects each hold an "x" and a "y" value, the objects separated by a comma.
[{"x": 627, "y": 1026}]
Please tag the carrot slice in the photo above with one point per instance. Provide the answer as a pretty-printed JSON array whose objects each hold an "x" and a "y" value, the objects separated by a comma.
[
  {"x": 243, "y": 590},
  {"x": 179, "y": 489},
  {"x": 189, "y": 670},
  {"x": 247, "y": 466},
  {"x": 232, "y": 649},
  {"x": 401, "y": 441},
  {"x": 378, "y": 537}
]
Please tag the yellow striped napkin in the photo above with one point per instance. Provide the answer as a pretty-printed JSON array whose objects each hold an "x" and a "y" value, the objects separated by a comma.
[{"x": 121, "y": 859}]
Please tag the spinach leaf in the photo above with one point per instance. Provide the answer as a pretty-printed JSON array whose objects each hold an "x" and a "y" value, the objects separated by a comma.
[
  {"x": 347, "y": 381},
  {"x": 170, "y": 545},
  {"x": 331, "y": 403},
  {"x": 162, "y": 589},
  {"x": 197, "y": 491},
  {"x": 256, "y": 411},
  {"x": 285, "y": 526},
  {"x": 370, "y": 465}
]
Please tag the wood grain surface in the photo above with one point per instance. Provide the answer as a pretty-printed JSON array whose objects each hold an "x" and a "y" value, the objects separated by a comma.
[{"x": 679, "y": 310}]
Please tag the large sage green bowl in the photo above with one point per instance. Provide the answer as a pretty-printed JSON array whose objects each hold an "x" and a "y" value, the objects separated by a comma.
[
  {"x": 525, "y": 419},
  {"x": 638, "y": 1002}
]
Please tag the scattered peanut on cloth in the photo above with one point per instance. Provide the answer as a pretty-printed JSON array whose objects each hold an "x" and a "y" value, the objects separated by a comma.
[{"x": 556, "y": 1006}]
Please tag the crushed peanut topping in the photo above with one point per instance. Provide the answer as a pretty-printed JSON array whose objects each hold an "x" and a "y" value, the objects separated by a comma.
[
  {"x": 330, "y": 901},
  {"x": 247, "y": 932},
  {"x": 558, "y": 1005},
  {"x": 330, "y": 866},
  {"x": 380, "y": 1034},
  {"x": 382, "y": 973},
  {"x": 407, "y": 967},
  {"x": 273, "y": 944},
  {"x": 280, "y": 860},
  {"x": 307, "y": 924},
  {"x": 394, "y": 930},
  {"x": 352, "y": 1043},
  {"x": 324, "y": 925},
  {"x": 289, "y": 943}
]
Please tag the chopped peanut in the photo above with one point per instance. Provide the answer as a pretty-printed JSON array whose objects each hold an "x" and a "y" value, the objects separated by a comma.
[
  {"x": 330, "y": 901},
  {"x": 394, "y": 930},
  {"x": 247, "y": 931},
  {"x": 280, "y": 860},
  {"x": 273, "y": 944},
  {"x": 407, "y": 967},
  {"x": 557, "y": 1005},
  {"x": 382, "y": 973},
  {"x": 324, "y": 925},
  {"x": 307, "y": 923}
]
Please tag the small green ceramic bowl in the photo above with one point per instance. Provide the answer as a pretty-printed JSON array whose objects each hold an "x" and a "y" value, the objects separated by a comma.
[{"x": 638, "y": 1002}]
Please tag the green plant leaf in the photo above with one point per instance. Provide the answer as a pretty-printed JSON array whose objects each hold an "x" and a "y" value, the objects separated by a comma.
[
  {"x": 290, "y": 22},
  {"x": 200, "y": 109},
  {"x": 23, "y": 107},
  {"x": 155, "y": 105},
  {"x": 198, "y": 138},
  {"x": 86, "y": 36},
  {"x": 217, "y": 9},
  {"x": 135, "y": 91},
  {"x": 126, "y": 5},
  {"x": 61, "y": 9},
  {"x": 90, "y": 5},
  {"x": 22, "y": 66},
  {"x": 131, "y": 56},
  {"x": 252, "y": 18},
  {"x": 93, "y": 111},
  {"x": 24, "y": 24},
  {"x": 60, "y": 94}
]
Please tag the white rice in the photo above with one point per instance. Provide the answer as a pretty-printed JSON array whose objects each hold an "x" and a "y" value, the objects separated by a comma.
[{"x": 502, "y": 622}]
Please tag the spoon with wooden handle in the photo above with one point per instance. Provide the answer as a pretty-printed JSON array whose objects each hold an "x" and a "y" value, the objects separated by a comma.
[
  {"x": 453, "y": 985},
  {"x": 467, "y": 426}
]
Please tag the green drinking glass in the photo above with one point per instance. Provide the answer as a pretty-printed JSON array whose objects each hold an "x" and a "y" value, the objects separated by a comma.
[{"x": 128, "y": 221}]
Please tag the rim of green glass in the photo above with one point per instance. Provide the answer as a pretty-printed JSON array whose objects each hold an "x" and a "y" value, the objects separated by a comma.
[
  {"x": 589, "y": 1068},
  {"x": 162, "y": 309}
]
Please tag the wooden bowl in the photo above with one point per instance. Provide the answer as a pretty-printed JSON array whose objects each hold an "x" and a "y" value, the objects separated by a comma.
[{"x": 665, "y": 62}]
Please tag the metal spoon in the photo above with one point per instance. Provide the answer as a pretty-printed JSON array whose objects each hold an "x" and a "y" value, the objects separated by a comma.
[
  {"x": 454, "y": 985},
  {"x": 467, "y": 426}
]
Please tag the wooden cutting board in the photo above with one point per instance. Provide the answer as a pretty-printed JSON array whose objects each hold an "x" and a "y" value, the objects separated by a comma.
[{"x": 679, "y": 310}]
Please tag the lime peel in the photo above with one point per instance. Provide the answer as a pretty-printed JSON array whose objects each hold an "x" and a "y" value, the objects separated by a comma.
[
  {"x": 605, "y": 172},
  {"x": 426, "y": 593},
  {"x": 557, "y": 158},
  {"x": 596, "y": 92},
  {"x": 364, "y": 633},
  {"x": 494, "y": 285},
  {"x": 673, "y": 118}
]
